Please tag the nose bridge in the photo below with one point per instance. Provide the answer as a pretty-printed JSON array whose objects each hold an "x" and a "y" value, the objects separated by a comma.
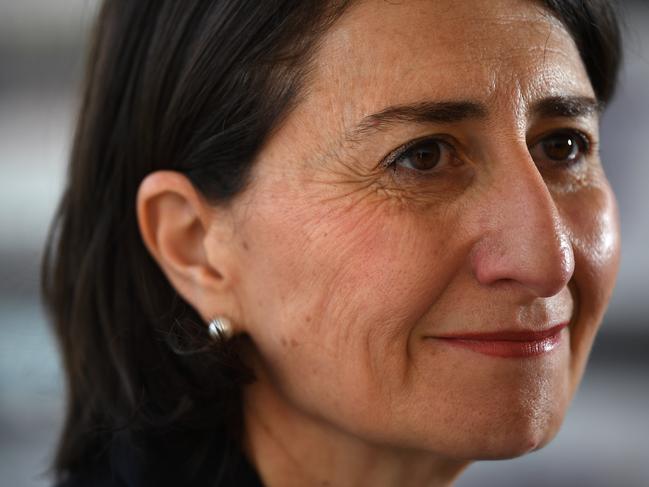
[{"x": 523, "y": 239}]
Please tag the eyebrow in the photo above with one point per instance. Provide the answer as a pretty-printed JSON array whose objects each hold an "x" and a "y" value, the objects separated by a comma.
[
  {"x": 567, "y": 106},
  {"x": 446, "y": 112},
  {"x": 420, "y": 112}
]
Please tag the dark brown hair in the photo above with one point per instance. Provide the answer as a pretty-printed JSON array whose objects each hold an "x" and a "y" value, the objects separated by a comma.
[{"x": 195, "y": 86}]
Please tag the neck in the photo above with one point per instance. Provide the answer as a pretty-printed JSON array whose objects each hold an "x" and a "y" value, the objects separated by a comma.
[{"x": 290, "y": 448}]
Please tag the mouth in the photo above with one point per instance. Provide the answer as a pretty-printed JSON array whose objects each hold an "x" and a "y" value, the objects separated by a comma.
[{"x": 508, "y": 344}]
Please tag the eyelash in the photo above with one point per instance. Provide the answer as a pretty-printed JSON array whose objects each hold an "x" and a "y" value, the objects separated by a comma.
[
  {"x": 400, "y": 153},
  {"x": 584, "y": 145}
]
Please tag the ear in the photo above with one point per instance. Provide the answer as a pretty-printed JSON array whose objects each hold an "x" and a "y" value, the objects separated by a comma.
[{"x": 192, "y": 242}]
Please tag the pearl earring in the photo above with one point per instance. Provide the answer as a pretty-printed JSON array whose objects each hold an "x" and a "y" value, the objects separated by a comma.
[{"x": 220, "y": 328}]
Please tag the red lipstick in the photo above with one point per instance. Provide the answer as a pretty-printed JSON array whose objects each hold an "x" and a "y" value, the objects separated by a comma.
[{"x": 509, "y": 343}]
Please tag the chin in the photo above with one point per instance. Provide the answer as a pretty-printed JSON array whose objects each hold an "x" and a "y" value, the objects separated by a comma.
[
  {"x": 489, "y": 437},
  {"x": 511, "y": 448},
  {"x": 515, "y": 438}
]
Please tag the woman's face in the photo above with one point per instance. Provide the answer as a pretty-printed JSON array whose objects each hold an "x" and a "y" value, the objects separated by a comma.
[{"x": 362, "y": 251}]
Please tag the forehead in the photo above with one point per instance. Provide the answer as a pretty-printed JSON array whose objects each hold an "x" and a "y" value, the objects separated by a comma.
[{"x": 381, "y": 53}]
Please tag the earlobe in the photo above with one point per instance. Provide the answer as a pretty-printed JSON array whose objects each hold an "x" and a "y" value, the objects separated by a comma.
[{"x": 175, "y": 224}]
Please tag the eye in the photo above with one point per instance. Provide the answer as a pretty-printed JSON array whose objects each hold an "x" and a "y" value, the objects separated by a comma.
[
  {"x": 421, "y": 155},
  {"x": 565, "y": 147}
]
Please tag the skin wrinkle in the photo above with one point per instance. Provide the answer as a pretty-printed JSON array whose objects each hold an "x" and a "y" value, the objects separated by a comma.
[{"x": 346, "y": 272}]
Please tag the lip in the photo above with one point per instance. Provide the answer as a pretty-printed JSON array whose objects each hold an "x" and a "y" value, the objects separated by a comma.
[{"x": 509, "y": 344}]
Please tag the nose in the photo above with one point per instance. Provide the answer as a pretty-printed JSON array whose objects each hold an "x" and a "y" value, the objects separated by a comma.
[{"x": 523, "y": 240}]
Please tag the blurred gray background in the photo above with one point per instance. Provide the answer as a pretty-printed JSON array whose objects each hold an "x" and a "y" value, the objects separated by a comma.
[{"x": 605, "y": 438}]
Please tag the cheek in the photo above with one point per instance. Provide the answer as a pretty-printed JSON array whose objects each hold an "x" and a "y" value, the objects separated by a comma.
[
  {"x": 592, "y": 221},
  {"x": 333, "y": 255},
  {"x": 341, "y": 281}
]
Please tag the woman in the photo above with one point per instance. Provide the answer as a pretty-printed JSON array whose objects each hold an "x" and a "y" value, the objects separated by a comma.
[{"x": 330, "y": 243}]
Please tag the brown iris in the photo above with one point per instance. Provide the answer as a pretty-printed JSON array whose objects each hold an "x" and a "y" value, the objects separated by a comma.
[
  {"x": 562, "y": 147},
  {"x": 424, "y": 156}
]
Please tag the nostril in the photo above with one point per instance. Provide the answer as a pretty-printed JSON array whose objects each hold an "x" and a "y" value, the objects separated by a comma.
[
  {"x": 563, "y": 268},
  {"x": 542, "y": 266},
  {"x": 559, "y": 264}
]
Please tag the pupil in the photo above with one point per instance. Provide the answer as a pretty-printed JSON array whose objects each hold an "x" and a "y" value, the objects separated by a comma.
[
  {"x": 561, "y": 148},
  {"x": 426, "y": 157}
]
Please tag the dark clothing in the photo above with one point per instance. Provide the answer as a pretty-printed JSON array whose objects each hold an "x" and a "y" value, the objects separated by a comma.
[{"x": 153, "y": 463}]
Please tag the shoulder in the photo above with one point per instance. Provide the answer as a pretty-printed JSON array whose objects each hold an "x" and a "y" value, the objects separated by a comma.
[{"x": 130, "y": 463}]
